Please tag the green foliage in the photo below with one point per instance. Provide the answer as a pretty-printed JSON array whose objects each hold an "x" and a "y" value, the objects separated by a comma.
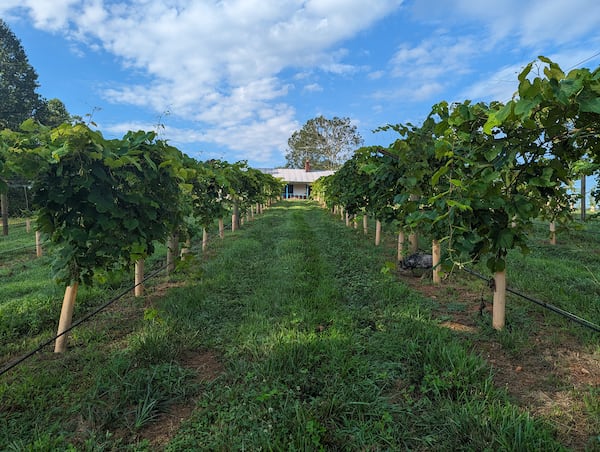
[
  {"x": 103, "y": 203},
  {"x": 53, "y": 113},
  {"x": 475, "y": 176},
  {"x": 18, "y": 82}
]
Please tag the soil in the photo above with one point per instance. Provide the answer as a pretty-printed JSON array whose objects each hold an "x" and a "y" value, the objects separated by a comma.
[
  {"x": 207, "y": 367},
  {"x": 549, "y": 377}
]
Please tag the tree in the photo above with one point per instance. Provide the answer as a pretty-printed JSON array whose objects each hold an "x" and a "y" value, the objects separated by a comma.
[
  {"x": 325, "y": 143},
  {"x": 52, "y": 113},
  {"x": 18, "y": 82}
]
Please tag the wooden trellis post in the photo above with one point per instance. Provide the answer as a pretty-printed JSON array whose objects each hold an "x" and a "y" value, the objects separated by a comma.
[
  {"x": 235, "y": 217},
  {"x": 66, "y": 316},
  {"x": 436, "y": 257},
  {"x": 552, "y": 233},
  {"x": 400, "y": 257},
  {"x": 365, "y": 224},
  {"x": 185, "y": 249},
  {"x": 4, "y": 208},
  {"x": 38, "y": 244},
  {"x": 413, "y": 240},
  {"x": 138, "y": 291},
  {"x": 499, "y": 308},
  {"x": 221, "y": 228},
  {"x": 204, "y": 239},
  {"x": 172, "y": 252},
  {"x": 377, "y": 233}
]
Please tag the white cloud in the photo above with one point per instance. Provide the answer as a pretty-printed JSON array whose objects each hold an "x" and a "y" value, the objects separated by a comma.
[
  {"x": 376, "y": 75},
  {"x": 215, "y": 62},
  {"x": 48, "y": 15},
  {"x": 534, "y": 23},
  {"x": 313, "y": 88}
]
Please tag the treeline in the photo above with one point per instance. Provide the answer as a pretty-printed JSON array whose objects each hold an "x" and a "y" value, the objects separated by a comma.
[{"x": 475, "y": 176}]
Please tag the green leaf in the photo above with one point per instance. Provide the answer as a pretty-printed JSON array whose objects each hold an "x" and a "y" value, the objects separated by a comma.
[
  {"x": 589, "y": 102},
  {"x": 459, "y": 206},
  {"x": 102, "y": 202},
  {"x": 496, "y": 264},
  {"x": 524, "y": 107},
  {"x": 497, "y": 117},
  {"x": 130, "y": 223},
  {"x": 505, "y": 239},
  {"x": 438, "y": 174}
]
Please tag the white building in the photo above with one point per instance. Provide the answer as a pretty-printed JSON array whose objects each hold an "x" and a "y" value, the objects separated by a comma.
[{"x": 298, "y": 181}]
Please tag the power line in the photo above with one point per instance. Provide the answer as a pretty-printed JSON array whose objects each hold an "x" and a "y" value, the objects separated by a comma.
[{"x": 585, "y": 60}]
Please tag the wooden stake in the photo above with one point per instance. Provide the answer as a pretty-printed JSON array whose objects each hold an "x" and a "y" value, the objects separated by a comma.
[
  {"x": 185, "y": 249},
  {"x": 28, "y": 225},
  {"x": 171, "y": 253},
  {"x": 341, "y": 213},
  {"x": 66, "y": 316},
  {"x": 499, "y": 309},
  {"x": 552, "y": 233},
  {"x": 235, "y": 217},
  {"x": 583, "y": 191},
  {"x": 138, "y": 291},
  {"x": 377, "y": 233},
  {"x": 436, "y": 257},
  {"x": 4, "y": 208},
  {"x": 204, "y": 239},
  {"x": 347, "y": 219},
  {"x": 38, "y": 244},
  {"x": 413, "y": 240},
  {"x": 365, "y": 224},
  {"x": 400, "y": 246},
  {"x": 221, "y": 228}
]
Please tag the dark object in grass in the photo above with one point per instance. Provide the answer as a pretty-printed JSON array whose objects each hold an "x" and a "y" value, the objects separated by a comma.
[{"x": 418, "y": 260}]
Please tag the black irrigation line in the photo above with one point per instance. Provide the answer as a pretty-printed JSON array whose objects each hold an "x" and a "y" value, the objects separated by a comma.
[
  {"x": 543, "y": 304},
  {"x": 16, "y": 225},
  {"x": 16, "y": 249},
  {"x": 79, "y": 322},
  {"x": 22, "y": 248}
]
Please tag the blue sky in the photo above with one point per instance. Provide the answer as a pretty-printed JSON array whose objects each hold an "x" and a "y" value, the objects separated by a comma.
[{"x": 233, "y": 79}]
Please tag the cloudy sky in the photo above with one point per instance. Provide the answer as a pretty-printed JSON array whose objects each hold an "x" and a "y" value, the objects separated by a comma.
[{"x": 233, "y": 79}]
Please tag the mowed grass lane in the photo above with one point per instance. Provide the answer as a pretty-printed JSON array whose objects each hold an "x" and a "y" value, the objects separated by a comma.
[{"x": 323, "y": 351}]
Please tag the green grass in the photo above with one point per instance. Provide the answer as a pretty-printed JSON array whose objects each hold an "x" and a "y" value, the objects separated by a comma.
[{"x": 320, "y": 350}]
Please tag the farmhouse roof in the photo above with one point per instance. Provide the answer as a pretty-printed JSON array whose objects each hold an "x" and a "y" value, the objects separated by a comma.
[{"x": 296, "y": 175}]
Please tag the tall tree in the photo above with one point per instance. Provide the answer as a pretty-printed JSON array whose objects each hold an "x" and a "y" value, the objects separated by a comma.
[
  {"x": 52, "y": 113},
  {"x": 18, "y": 82},
  {"x": 326, "y": 143}
]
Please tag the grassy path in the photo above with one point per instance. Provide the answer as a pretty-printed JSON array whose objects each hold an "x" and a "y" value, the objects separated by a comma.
[
  {"x": 323, "y": 351},
  {"x": 311, "y": 347}
]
